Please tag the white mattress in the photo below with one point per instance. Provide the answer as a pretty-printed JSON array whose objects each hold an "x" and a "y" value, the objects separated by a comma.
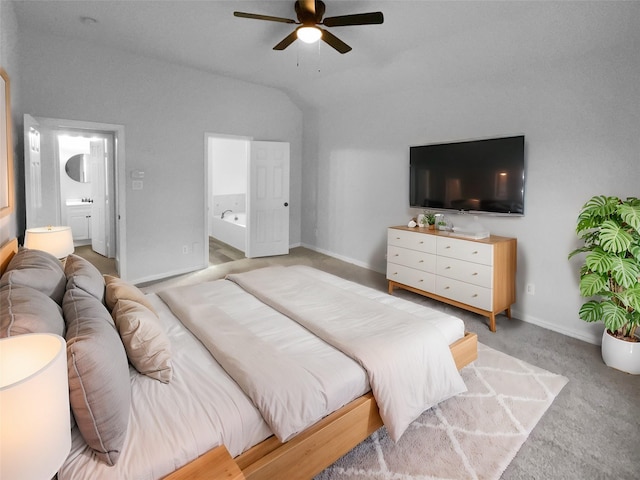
[{"x": 202, "y": 407}]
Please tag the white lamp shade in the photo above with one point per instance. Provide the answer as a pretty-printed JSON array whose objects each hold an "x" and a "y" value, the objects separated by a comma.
[
  {"x": 58, "y": 241},
  {"x": 35, "y": 433},
  {"x": 309, "y": 34}
]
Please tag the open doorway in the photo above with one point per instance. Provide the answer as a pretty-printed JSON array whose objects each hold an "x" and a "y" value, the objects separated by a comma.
[
  {"x": 227, "y": 200},
  {"x": 247, "y": 194},
  {"x": 72, "y": 171},
  {"x": 87, "y": 187}
]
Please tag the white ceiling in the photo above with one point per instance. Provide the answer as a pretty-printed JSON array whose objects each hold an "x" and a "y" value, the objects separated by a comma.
[{"x": 430, "y": 42}]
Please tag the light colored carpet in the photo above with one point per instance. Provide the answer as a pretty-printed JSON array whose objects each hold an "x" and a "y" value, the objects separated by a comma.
[{"x": 472, "y": 436}]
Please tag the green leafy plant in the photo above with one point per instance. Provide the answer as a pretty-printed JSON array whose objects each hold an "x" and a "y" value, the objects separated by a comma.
[
  {"x": 429, "y": 217},
  {"x": 609, "y": 277}
]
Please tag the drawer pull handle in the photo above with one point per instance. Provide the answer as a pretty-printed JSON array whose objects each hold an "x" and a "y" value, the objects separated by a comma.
[
  {"x": 474, "y": 274},
  {"x": 397, "y": 255},
  {"x": 447, "y": 268},
  {"x": 421, "y": 261},
  {"x": 474, "y": 253},
  {"x": 447, "y": 288},
  {"x": 448, "y": 246},
  {"x": 474, "y": 295},
  {"x": 421, "y": 242}
]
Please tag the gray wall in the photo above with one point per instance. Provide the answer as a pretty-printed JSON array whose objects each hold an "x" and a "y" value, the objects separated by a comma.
[
  {"x": 580, "y": 118},
  {"x": 166, "y": 110}
]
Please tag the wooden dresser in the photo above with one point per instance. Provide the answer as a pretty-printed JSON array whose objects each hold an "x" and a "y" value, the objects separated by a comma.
[{"x": 477, "y": 275}]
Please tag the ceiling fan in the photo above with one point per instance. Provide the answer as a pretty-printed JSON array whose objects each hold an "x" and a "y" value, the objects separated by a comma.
[{"x": 310, "y": 13}]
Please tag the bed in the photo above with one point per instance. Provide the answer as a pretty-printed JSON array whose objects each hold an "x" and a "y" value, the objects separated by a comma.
[{"x": 193, "y": 421}]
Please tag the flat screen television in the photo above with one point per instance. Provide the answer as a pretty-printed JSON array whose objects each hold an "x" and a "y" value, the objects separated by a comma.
[{"x": 483, "y": 176}]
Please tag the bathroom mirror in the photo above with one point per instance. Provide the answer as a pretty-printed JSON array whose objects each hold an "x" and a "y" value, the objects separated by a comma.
[{"x": 77, "y": 167}]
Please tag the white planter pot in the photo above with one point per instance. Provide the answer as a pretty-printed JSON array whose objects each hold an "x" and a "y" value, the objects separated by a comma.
[{"x": 621, "y": 355}]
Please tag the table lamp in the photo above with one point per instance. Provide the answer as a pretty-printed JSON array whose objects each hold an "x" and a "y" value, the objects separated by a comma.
[
  {"x": 58, "y": 241},
  {"x": 35, "y": 431}
]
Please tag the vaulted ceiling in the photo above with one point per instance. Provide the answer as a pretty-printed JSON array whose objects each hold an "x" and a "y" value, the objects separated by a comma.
[{"x": 422, "y": 42}]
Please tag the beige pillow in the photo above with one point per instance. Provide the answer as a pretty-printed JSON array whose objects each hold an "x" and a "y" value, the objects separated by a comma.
[
  {"x": 118, "y": 289},
  {"x": 99, "y": 384},
  {"x": 36, "y": 269},
  {"x": 83, "y": 274},
  {"x": 147, "y": 345},
  {"x": 26, "y": 310}
]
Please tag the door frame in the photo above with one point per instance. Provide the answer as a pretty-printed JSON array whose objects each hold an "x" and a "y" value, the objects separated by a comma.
[{"x": 119, "y": 177}]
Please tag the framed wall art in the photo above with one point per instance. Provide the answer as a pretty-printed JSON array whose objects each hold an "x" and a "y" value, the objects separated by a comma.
[{"x": 6, "y": 146}]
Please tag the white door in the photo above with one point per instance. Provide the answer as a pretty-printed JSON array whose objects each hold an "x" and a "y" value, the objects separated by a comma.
[
  {"x": 268, "y": 199},
  {"x": 99, "y": 218},
  {"x": 33, "y": 172}
]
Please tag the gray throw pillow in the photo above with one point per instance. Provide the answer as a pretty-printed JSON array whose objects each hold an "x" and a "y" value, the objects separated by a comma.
[
  {"x": 36, "y": 269},
  {"x": 99, "y": 385},
  {"x": 26, "y": 310},
  {"x": 83, "y": 274}
]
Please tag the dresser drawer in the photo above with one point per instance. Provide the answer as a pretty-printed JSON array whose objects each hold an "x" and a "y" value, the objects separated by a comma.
[
  {"x": 463, "y": 292},
  {"x": 475, "y": 273},
  {"x": 411, "y": 258},
  {"x": 410, "y": 276},
  {"x": 412, "y": 240},
  {"x": 465, "y": 250}
]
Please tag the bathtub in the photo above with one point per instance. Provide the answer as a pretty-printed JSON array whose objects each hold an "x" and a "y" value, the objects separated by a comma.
[{"x": 231, "y": 230}]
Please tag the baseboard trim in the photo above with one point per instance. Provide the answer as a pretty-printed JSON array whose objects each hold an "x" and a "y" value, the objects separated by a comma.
[
  {"x": 342, "y": 257},
  {"x": 165, "y": 275},
  {"x": 594, "y": 339}
]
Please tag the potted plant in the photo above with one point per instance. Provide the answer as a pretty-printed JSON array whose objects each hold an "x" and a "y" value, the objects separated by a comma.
[
  {"x": 610, "y": 230},
  {"x": 428, "y": 219}
]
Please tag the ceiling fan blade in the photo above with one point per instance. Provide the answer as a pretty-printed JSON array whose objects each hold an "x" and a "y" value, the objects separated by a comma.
[
  {"x": 263, "y": 17},
  {"x": 372, "y": 18},
  {"x": 334, "y": 41},
  {"x": 288, "y": 40}
]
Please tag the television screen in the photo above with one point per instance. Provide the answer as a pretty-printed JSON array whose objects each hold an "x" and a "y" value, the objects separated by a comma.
[{"x": 476, "y": 176}]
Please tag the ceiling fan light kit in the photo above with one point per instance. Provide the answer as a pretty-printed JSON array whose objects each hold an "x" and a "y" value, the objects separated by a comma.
[
  {"x": 309, "y": 14},
  {"x": 309, "y": 34}
]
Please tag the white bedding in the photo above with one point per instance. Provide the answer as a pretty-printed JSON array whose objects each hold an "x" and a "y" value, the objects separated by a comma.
[
  {"x": 202, "y": 407},
  {"x": 292, "y": 376}
]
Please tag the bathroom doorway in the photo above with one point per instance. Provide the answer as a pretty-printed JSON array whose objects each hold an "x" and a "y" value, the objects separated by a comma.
[
  {"x": 72, "y": 172},
  {"x": 247, "y": 194},
  {"x": 87, "y": 187},
  {"x": 228, "y": 159}
]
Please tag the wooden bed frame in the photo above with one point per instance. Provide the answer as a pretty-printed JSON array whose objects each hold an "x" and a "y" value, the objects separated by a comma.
[
  {"x": 7, "y": 251},
  {"x": 308, "y": 453}
]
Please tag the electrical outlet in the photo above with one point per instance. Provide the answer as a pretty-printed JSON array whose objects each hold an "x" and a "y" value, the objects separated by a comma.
[
  {"x": 185, "y": 249},
  {"x": 531, "y": 289}
]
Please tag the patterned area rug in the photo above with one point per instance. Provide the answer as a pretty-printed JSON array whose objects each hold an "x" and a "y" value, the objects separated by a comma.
[{"x": 472, "y": 436}]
